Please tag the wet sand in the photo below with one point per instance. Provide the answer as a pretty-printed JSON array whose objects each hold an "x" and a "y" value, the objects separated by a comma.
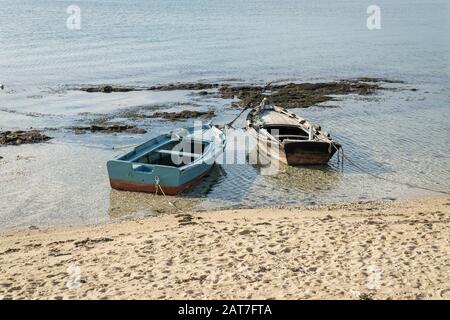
[{"x": 376, "y": 250}]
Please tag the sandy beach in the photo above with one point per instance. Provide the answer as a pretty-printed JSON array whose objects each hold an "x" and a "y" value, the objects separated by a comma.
[{"x": 375, "y": 250}]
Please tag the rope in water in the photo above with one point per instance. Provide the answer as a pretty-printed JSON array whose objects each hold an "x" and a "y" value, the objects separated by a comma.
[
  {"x": 360, "y": 168},
  {"x": 158, "y": 186}
]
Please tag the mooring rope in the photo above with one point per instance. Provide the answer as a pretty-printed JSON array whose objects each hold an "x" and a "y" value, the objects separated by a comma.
[
  {"x": 158, "y": 186},
  {"x": 230, "y": 124},
  {"x": 360, "y": 168}
]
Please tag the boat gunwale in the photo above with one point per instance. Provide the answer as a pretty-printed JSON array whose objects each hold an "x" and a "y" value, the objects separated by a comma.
[
  {"x": 319, "y": 137},
  {"x": 201, "y": 158}
]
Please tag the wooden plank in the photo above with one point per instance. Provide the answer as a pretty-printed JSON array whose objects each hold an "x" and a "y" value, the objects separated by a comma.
[
  {"x": 271, "y": 117},
  {"x": 179, "y": 153}
]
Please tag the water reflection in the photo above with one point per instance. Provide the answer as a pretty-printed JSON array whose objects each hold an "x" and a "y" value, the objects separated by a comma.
[
  {"x": 203, "y": 188},
  {"x": 301, "y": 179}
]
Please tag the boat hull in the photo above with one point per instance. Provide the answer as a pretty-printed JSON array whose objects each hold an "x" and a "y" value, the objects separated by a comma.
[
  {"x": 284, "y": 137},
  {"x": 136, "y": 186},
  {"x": 152, "y": 164},
  {"x": 295, "y": 153},
  {"x": 307, "y": 152}
]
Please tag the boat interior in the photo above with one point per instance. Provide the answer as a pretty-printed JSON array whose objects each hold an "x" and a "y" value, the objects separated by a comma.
[
  {"x": 281, "y": 132},
  {"x": 173, "y": 153}
]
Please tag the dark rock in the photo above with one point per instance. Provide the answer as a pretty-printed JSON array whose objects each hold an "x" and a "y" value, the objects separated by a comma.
[
  {"x": 371, "y": 79},
  {"x": 185, "y": 114},
  {"x": 110, "y": 129},
  {"x": 289, "y": 95},
  {"x": 184, "y": 86},
  {"x": 107, "y": 89},
  {"x": 299, "y": 95},
  {"x": 164, "y": 87},
  {"x": 22, "y": 137}
]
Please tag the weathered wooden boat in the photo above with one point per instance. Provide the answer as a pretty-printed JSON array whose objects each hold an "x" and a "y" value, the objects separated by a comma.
[
  {"x": 174, "y": 161},
  {"x": 285, "y": 137}
]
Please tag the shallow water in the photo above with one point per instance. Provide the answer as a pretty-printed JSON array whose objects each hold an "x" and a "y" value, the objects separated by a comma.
[{"x": 401, "y": 134}]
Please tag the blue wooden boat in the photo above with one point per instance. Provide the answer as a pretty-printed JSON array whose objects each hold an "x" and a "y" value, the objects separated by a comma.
[{"x": 175, "y": 161}]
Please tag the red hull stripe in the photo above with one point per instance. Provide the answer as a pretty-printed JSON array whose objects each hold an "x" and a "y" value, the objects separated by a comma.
[{"x": 151, "y": 188}]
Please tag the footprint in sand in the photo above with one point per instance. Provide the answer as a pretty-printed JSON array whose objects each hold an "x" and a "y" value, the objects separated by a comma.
[{"x": 445, "y": 294}]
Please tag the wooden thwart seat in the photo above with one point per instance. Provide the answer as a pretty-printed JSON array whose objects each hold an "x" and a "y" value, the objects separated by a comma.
[{"x": 179, "y": 153}]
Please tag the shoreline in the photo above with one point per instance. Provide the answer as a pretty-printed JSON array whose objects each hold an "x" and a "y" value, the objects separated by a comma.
[
  {"x": 119, "y": 214},
  {"x": 375, "y": 250}
]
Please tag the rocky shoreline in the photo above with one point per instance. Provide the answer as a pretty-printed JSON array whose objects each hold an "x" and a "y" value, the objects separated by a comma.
[
  {"x": 163, "y": 87},
  {"x": 289, "y": 95},
  {"x": 16, "y": 138},
  {"x": 109, "y": 129},
  {"x": 183, "y": 115},
  {"x": 22, "y": 137}
]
